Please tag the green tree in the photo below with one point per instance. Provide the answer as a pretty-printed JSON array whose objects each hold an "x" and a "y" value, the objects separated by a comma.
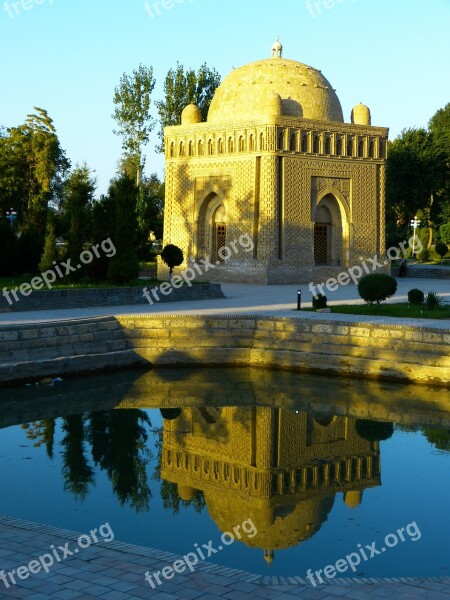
[
  {"x": 50, "y": 253},
  {"x": 132, "y": 99},
  {"x": 33, "y": 167},
  {"x": 78, "y": 198},
  {"x": 182, "y": 88},
  {"x": 416, "y": 172},
  {"x": 8, "y": 250},
  {"x": 172, "y": 256},
  {"x": 439, "y": 127},
  {"x": 124, "y": 266},
  {"x": 78, "y": 474}
]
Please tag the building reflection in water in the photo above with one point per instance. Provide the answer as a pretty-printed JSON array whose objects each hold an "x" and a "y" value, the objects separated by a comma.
[{"x": 280, "y": 468}]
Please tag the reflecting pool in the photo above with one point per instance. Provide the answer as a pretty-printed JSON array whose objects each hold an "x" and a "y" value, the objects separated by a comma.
[{"x": 300, "y": 470}]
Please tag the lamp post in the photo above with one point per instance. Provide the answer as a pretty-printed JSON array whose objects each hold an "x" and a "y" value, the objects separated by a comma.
[
  {"x": 414, "y": 224},
  {"x": 11, "y": 215}
]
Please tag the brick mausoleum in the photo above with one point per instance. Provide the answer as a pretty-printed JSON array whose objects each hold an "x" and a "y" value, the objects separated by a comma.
[{"x": 276, "y": 161}]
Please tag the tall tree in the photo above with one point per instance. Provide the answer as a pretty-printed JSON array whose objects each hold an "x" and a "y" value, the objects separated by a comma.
[
  {"x": 32, "y": 168},
  {"x": 182, "y": 88},
  {"x": 78, "y": 197},
  {"x": 439, "y": 127},
  {"x": 132, "y": 99}
]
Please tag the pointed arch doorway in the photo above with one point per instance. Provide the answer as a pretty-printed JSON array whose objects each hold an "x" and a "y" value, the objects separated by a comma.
[{"x": 330, "y": 232}]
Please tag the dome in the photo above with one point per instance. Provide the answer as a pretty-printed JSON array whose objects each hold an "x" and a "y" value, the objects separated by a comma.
[
  {"x": 249, "y": 93},
  {"x": 191, "y": 115},
  {"x": 361, "y": 115}
]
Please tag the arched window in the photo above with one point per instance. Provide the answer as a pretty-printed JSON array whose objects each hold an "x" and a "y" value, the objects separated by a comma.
[
  {"x": 200, "y": 148},
  {"x": 361, "y": 148},
  {"x": 191, "y": 148},
  {"x": 241, "y": 144},
  {"x": 210, "y": 147},
  {"x": 220, "y": 146},
  {"x": 316, "y": 144},
  {"x": 350, "y": 146},
  {"x": 305, "y": 142},
  {"x": 371, "y": 149},
  {"x": 230, "y": 145},
  {"x": 293, "y": 143},
  {"x": 261, "y": 141},
  {"x": 281, "y": 140},
  {"x": 339, "y": 146},
  {"x": 251, "y": 143},
  {"x": 172, "y": 150},
  {"x": 327, "y": 145},
  {"x": 181, "y": 149}
]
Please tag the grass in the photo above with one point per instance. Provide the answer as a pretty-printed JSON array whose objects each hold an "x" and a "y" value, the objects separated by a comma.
[{"x": 401, "y": 310}]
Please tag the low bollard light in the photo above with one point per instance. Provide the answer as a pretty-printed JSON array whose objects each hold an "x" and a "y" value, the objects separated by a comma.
[{"x": 299, "y": 300}]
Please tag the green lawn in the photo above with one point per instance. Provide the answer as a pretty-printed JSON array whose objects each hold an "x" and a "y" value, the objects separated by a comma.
[{"x": 400, "y": 310}]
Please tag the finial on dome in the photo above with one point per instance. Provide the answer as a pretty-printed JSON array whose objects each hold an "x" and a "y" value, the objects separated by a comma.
[
  {"x": 269, "y": 555},
  {"x": 277, "y": 49}
]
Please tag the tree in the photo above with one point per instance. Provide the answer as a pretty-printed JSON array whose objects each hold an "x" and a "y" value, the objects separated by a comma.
[
  {"x": 172, "y": 256},
  {"x": 439, "y": 127},
  {"x": 30, "y": 245},
  {"x": 132, "y": 99},
  {"x": 8, "y": 250},
  {"x": 182, "y": 88},
  {"x": 78, "y": 198},
  {"x": 33, "y": 167},
  {"x": 124, "y": 266},
  {"x": 376, "y": 288},
  {"x": 50, "y": 253}
]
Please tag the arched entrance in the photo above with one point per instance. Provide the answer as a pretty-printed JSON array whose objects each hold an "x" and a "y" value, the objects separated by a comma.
[
  {"x": 212, "y": 228},
  {"x": 330, "y": 232}
]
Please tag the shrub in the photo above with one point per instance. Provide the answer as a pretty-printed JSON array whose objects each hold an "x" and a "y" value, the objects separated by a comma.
[
  {"x": 416, "y": 297},
  {"x": 423, "y": 256},
  {"x": 377, "y": 287},
  {"x": 30, "y": 246},
  {"x": 172, "y": 256},
  {"x": 50, "y": 252},
  {"x": 441, "y": 249},
  {"x": 434, "y": 302},
  {"x": 319, "y": 301},
  {"x": 374, "y": 431}
]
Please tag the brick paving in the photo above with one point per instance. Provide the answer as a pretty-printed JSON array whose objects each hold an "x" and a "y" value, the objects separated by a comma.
[{"x": 116, "y": 571}]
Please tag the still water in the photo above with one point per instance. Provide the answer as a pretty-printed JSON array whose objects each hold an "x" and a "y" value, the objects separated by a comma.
[{"x": 310, "y": 468}]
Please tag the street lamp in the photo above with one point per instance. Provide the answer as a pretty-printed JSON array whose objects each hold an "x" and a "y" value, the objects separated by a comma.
[
  {"x": 414, "y": 224},
  {"x": 11, "y": 215}
]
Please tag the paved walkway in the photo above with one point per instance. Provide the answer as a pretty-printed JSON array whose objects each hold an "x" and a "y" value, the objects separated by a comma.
[
  {"x": 275, "y": 300},
  {"x": 116, "y": 571}
]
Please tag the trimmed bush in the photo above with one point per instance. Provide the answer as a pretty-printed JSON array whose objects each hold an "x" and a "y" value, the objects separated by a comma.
[
  {"x": 416, "y": 297},
  {"x": 424, "y": 256},
  {"x": 441, "y": 249},
  {"x": 172, "y": 256},
  {"x": 374, "y": 431},
  {"x": 377, "y": 287},
  {"x": 434, "y": 302},
  {"x": 319, "y": 301}
]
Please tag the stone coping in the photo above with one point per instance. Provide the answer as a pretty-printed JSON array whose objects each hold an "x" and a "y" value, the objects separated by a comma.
[{"x": 234, "y": 574}]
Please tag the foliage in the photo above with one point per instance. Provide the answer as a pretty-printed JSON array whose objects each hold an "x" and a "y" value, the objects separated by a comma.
[
  {"x": 374, "y": 431},
  {"x": 416, "y": 297},
  {"x": 33, "y": 167},
  {"x": 434, "y": 302},
  {"x": 124, "y": 266},
  {"x": 172, "y": 256},
  {"x": 376, "y": 288},
  {"x": 319, "y": 301},
  {"x": 423, "y": 256},
  {"x": 50, "y": 253},
  {"x": 78, "y": 198},
  {"x": 132, "y": 99},
  {"x": 182, "y": 88},
  {"x": 441, "y": 249},
  {"x": 439, "y": 437}
]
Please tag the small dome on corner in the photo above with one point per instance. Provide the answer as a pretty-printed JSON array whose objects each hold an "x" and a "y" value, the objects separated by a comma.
[
  {"x": 361, "y": 115},
  {"x": 191, "y": 115}
]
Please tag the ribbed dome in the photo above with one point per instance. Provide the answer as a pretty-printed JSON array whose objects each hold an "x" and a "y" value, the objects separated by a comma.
[{"x": 248, "y": 92}]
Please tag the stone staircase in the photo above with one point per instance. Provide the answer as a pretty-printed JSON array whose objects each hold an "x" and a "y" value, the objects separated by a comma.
[{"x": 428, "y": 272}]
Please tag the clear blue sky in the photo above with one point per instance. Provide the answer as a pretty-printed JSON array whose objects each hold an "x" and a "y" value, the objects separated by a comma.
[{"x": 68, "y": 55}]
